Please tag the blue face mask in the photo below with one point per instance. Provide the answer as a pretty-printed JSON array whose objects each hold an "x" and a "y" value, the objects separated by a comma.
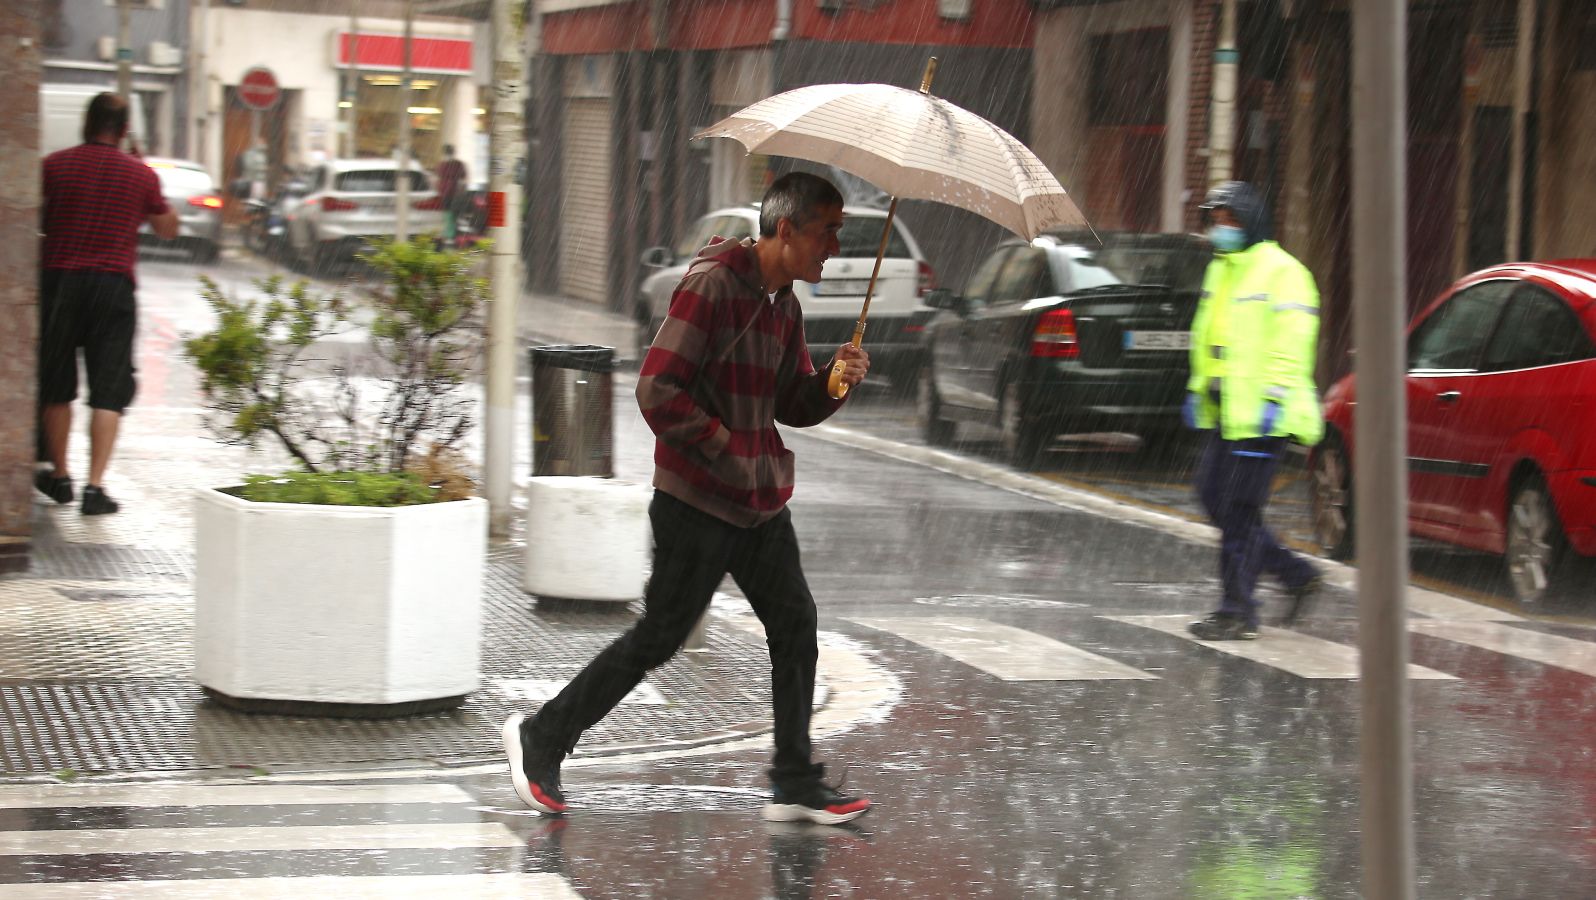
[{"x": 1227, "y": 238}]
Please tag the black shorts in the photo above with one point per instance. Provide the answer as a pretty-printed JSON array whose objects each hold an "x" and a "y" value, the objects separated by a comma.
[{"x": 95, "y": 311}]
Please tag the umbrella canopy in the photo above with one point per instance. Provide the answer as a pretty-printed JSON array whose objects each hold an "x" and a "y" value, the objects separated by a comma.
[{"x": 911, "y": 145}]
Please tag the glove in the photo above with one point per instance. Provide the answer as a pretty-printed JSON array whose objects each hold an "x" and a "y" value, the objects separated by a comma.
[
  {"x": 1271, "y": 415},
  {"x": 1188, "y": 412}
]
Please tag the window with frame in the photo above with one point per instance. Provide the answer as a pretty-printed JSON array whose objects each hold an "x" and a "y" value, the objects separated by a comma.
[
  {"x": 1453, "y": 337},
  {"x": 1537, "y": 329},
  {"x": 978, "y": 291},
  {"x": 1024, "y": 277}
]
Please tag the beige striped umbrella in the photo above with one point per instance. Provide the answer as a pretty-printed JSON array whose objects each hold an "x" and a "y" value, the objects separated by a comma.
[{"x": 911, "y": 145}]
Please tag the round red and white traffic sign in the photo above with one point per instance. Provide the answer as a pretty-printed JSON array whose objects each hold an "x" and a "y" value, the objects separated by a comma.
[{"x": 258, "y": 88}]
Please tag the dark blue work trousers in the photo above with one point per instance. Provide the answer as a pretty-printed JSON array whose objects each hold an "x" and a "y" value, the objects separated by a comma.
[
  {"x": 1233, "y": 481},
  {"x": 693, "y": 551}
]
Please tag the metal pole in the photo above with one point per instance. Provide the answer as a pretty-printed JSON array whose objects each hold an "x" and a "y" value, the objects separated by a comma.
[
  {"x": 1176, "y": 106},
  {"x": 507, "y": 143},
  {"x": 1379, "y": 288},
  {"x": 352, "y": 91},
  {"x": 124, "y": 59},
  {"x": 1523, "y": 63},
  {"x": 1222, "y": 124},
  {"x": 199, "y": 93},
  {"x": 401, "y": 231}
]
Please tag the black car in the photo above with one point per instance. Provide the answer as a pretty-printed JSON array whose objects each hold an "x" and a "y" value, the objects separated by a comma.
[{"x": 1067, "y": 333}]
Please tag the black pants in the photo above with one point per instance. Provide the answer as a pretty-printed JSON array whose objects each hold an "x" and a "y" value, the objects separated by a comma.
[
  {"x": 693, "y": 551},
  {"x": 95, "y": 311},
  {"x": 1233, "y": 483}
]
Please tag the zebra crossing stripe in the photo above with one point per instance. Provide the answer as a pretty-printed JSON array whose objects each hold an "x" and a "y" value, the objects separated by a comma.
[
  {"x": 1289, "y": 651},
  {"x": 277, "y": 838},
  {"x": 1547, "y": 649},
  {"x": 1011, "y": 654},
  {"x": 47, "y": 796},
  {"x": 508, "y": 886}
]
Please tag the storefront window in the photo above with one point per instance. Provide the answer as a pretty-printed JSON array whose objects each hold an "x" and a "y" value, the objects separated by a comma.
[{"x": 378, "y": 107}]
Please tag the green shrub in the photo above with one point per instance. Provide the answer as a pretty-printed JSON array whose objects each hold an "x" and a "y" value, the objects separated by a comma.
[{"x": 338, "y": 489}]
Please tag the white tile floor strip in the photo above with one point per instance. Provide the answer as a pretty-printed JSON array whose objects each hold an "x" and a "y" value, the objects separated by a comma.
[
  {"x": 216, "y": 840},
  {"x": 507, "y": 886},
  {"x": 1548, "y": 649},
  {"x": 1011, "y": 654},
  {"x": 1289, "y": 651},
  {"x": 44, "y": 796},
  {"x": 1442, "y": 606}
]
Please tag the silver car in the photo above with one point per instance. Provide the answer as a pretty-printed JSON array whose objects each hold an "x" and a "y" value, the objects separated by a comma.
[
  {"x": 351, "y": 203},
  {"x": 192, "y": 194}
]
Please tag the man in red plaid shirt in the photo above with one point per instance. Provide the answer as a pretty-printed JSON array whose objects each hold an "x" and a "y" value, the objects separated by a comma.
[{"x": 95, "y": 199}]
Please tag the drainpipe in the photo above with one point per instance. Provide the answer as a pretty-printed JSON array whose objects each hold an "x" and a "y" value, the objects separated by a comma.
[
  {"x": 401, "y": 231},
  {"x": 1176, "y": 104},
  {"x": 1222, "y": 125},
  {"x": 783, "y": 22},
  {"x": 199, "y": 89},
  {"x": 1523, "y": 62}
]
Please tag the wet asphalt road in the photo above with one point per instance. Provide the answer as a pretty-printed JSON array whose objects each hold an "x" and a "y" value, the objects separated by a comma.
[{"x": 1210, "y": 776}]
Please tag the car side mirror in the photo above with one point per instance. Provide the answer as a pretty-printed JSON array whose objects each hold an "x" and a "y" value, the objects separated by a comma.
[{"x": 658, "y": 257}]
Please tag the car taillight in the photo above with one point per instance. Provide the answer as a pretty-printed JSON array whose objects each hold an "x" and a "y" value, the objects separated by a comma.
[
  {"x": 206, "y": 202},
  {"x": 1054, "y": 337},
  {"x": 928, "y": 279},
  {"x": 333, "y": 204},
  {"x": 434, "y": 202}
]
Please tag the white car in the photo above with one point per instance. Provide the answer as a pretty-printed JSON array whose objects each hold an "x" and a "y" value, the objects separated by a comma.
[
  {"x": 191, "y": 193},
  {"x": 897, "y": 315},
  {"x": 352, "y": 202}
]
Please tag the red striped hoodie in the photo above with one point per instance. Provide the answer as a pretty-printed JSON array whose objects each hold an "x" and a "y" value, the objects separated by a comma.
[{"x": 728, "y": 364}]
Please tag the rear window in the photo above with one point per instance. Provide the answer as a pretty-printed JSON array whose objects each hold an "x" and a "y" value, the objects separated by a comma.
[
  {"x": 375, "y": 181},
  {"x": 1178, "y": 268},
  {"x": 182, "y": 181},
  {"x": 861, "y": 237}
]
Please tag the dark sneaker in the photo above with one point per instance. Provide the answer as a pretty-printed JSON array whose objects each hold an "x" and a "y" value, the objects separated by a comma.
[
  {"x": 1302, "y": 598},
  {"x": 814, "y": 802},
  {"x": 57, "y": 489},
  {"x": 537, "y": 781},
  {"x": 96, "y": 502},
  {"x": 1223, "y": 627}
]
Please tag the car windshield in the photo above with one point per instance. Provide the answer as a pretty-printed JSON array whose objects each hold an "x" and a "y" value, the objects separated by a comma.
[
  {"x": 1180, "y": 268},
  {"x": 176, "y": 180},
  {"x": 375, "y": 181},
  {"x": 861, "y": 237}
]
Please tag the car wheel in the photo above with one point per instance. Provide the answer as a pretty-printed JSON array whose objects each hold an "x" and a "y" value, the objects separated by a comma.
[
  {"x": 1330, "y": 498},
  {"x": 938, "y": 432},
  {"x": 1536, "y": 546},
  {"x": 642, "y": 330},
  {"x": 1023, "y": 439}
]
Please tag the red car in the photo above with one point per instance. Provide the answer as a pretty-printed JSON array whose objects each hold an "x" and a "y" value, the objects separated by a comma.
[{"x": 1501, "y": 394}]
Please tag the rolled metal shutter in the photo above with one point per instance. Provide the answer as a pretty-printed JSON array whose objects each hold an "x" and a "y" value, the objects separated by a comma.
[{"x": 585, "y": 238}]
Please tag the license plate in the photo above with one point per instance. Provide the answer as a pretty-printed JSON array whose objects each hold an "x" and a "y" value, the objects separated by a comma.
[
  {"x": 1157, "y": 340},
  {"x": 842, "y": 288}
]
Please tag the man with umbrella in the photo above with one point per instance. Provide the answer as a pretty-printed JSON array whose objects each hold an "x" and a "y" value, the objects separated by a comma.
[
  {"x": 1253, "y": 346},
  {"x": 728, "y": 364}
]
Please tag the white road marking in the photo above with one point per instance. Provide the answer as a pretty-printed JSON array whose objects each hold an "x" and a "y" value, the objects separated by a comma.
[
  {"x": 1547, "y": 649},
  {"x": 1289, "y": 651},
  {"x": 1012, "y": 654},
  {"x": 508, "y": 886},
  {"x": 216, "y": 840},
  {"x": 47, "y": 796}
]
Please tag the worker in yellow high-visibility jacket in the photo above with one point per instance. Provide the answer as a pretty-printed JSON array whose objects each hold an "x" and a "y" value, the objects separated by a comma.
[{"x": 1253, "y": 345}]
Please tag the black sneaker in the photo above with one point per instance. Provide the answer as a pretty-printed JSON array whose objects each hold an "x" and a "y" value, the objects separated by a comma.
[
  {"x": 1223, "y": 627},
  {"x": 814, "y": 802},
  {"x": 1302, "y": 598},
  {"x": 57, "y": 489},
  {"x": 536, "y": 780},
  {"x": 96, "y": 502}
]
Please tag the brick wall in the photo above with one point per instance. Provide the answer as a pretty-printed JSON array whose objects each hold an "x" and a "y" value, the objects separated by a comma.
[{"x": 19, "y": 216}]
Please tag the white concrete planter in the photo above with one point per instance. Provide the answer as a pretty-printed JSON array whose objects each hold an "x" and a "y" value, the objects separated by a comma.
[
  {"x": 586, "y": 538},
  {"x": 338, "y": 610}
]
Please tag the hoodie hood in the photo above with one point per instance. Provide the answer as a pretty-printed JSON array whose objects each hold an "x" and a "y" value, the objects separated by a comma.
[
  {"x": 738, "y": 256},
  {"x": 1246, "y": 203}
]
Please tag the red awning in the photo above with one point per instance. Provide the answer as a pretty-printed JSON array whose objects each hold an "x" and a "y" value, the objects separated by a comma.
[{"x": 385, "y": 52}]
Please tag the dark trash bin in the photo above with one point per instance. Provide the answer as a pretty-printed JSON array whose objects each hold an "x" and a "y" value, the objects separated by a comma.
[{"x": 572, "y": 399}]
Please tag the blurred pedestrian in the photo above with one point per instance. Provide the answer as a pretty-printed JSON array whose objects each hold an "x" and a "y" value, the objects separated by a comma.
[
  {"x": 729, "y": 363},
  {"x": 95, "y": 199},
  {"x": 451, "y": 193},
  {"x": 1253, "y": 346}
]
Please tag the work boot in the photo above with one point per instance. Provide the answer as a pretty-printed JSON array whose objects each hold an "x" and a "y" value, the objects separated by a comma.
[{"x": 1223, "y": 627}]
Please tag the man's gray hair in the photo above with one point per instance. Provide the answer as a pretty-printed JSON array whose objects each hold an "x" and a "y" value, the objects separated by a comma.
[{"x": 797, "y": 197}]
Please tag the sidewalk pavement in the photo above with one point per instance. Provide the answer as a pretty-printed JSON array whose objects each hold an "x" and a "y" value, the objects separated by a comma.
[{"x": 96, "y": 652}]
